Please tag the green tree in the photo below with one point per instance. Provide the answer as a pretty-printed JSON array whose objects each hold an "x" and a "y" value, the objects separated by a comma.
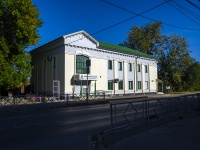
[
  {"x": 172, "y": 51},
  {"x": 144, "y": 38},
  {"x": 19, "y": 22},
  {"x": 191, "y": 77},
  {"x": 174, "y": 60}
]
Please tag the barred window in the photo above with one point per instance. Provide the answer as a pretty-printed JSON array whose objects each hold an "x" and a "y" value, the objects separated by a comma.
[{"x": 81, "y": 67}]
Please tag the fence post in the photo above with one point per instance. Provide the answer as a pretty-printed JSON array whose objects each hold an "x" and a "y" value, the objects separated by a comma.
[
  {"x": 111, "y": 117},
  {"x": 104, "y": 96}
]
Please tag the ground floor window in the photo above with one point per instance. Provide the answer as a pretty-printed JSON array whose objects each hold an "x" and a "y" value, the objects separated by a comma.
[
  {"x": 146, "y": 85},
  {"x": 130, "y": 85},
  {"x": 139, "y": 86},
  {"x": 110, "y": 84},
  {"x": 120, "y": 85}
]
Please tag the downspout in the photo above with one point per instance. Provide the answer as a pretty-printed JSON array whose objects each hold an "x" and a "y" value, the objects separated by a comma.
[
  {"x": 74, "y": 72},
  {"x": 124, "y": 78},
  {"x": 149, "y": 79},
  {"x": 134, "y": 71},
  {"x": 136, "y": 74},
  {"x": 114, "y": 74},
  {"x": 142, "y": 78}
]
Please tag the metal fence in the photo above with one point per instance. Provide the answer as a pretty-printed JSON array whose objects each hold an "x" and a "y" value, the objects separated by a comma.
[
  {"x": 14, "y": 102},
  {"x": 131, "y": 113}
]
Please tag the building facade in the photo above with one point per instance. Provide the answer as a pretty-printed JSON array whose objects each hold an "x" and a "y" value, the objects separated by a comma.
[{"x": 61, "y": 65}]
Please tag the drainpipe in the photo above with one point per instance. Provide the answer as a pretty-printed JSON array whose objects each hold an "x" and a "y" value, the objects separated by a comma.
[
  {"x": 142, "y": 79},
  {"x": 149, "y": 79},
  {"x": 114, "y": 74},
  {"x": 124, "y": 78},
  {"x": 74, "y": 74},
  {"x": 134, "y": 71}
]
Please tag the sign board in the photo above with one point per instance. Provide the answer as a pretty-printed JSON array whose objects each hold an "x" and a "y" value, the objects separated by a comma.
[
  {"x": 84, "y": 77},
  {"x": 167, "y": 87}
]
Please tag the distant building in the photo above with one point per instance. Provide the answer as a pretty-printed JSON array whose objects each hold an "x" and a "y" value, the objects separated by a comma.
[{"x": 113, "y": 68}]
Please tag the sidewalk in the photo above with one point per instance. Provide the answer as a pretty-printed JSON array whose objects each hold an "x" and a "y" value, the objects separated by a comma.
[{"x": 182, "y": 134}]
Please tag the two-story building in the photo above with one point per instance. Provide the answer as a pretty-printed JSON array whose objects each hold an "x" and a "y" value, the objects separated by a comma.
[{"x": 112, "y": 68}]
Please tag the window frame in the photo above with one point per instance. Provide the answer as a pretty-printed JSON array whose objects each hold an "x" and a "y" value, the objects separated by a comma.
[
  {"x": 138, "y": 68},
  {"x": 146, "y": 85},
  {"x": 110, "y": 84},
  {"x": 81, "y": 67},
  {"x": 130, "y": 86},
  {"x": 130, "y": 67},
  {"x": 146, "y": 69},
  {"x": 120, "y": 66},
  {"x": 120, "y": 85},
  {"x": 139, "y": 85},
  {"x": 109, "y": 64}
]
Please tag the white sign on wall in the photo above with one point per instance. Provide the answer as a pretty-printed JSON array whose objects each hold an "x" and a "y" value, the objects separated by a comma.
[{"x": 84, "y": 77}]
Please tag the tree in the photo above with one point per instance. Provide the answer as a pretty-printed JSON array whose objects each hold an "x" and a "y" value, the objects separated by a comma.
[
  {"x": 19, "y": 23},
  {"x": 174, "y": 60},
  {"x": 192, "y": 77},
  {"x": 172, "y": 51},
  {"x": 144, "y": 38}
]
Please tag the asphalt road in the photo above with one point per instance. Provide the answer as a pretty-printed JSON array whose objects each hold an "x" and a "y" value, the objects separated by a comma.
[
  {"x": 64, "y": 128},
  {"x": 55, "y": 129}
]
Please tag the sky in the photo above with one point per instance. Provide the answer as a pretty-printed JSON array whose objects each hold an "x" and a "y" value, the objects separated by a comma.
[{"x": 108, "y": 23}]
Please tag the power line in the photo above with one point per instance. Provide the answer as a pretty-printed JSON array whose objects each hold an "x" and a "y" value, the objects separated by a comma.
[
  {"x": 183, "y": 12},
  {"x": 136, "y": 15},
  {"x": 193, "y": 4},
  {"x": 148, "y": 17},
  {"x": 185, "y": 9},
  {"x": 121, "y": 21}
]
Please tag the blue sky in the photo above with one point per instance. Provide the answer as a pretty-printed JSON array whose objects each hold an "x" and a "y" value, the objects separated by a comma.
[{"x": 62, "y": 17}]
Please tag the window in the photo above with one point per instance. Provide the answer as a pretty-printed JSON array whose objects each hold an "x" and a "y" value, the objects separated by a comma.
[
  {"x": 146, "y": 69},
  {"x": 120, "y": 66},
  {"x": 110, "y": 64},
  {"x": 139, "y": 85},
  {"x": 130, "y": 85},
  {"x": 138, "y": 68},
  {"x": 110, "y": 85},
  {"x": 130, "y": 67},
  {"x": 81, "y": 67},
  {"x": 120, "y": 85},
  {"x": 146, "y": 85}
]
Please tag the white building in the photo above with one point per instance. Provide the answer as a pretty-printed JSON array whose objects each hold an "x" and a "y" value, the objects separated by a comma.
[{"x": 114, "y": 68}]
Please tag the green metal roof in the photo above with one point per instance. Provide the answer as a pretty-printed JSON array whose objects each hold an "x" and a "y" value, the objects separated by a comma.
[{"x": 121, "y": 49}]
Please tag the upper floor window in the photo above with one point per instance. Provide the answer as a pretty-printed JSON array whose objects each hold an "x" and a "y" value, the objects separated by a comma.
[
  {"x": 110, "y": 64},
  {"x": 146, "y": 69},
  {"x": 120, "y": 66},
  {"x": 139, "y": 68},
  {"x": 81, "y": 67},
  {"x": 130, "y": 67}
]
